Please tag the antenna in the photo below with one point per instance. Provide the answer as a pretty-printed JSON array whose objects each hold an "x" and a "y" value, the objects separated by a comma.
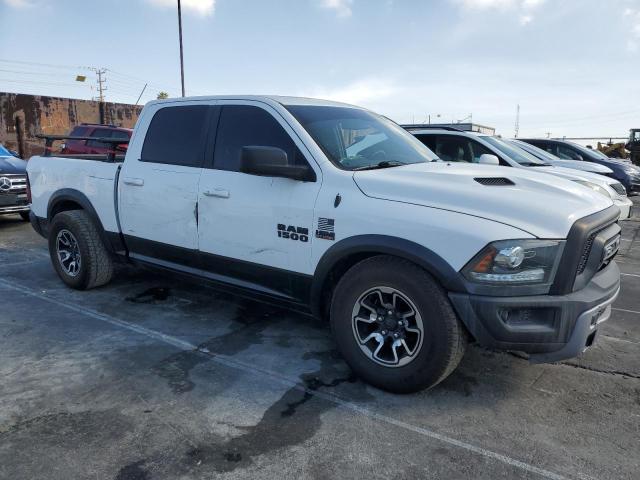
[{"x": 517, "y": 126}]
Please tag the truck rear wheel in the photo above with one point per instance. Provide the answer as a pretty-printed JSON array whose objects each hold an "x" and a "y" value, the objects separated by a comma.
[
  {"x": 77, "y": 251},
  {"x": 394, "y": 325}
]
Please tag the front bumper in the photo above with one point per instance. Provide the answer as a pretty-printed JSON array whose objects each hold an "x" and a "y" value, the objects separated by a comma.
[
  {"x": 549, "y": 327},
  {"x": 624, "y": 204},
  {"x": 14, "y": 209},
  {"x": 632, "y": 186}
]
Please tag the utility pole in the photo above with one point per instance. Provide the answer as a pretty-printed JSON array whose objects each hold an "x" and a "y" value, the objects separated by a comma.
[
  {"x": 548, "y": 134},
  {"x": 100, "y": 72},
  {"x": 517, "y": 127},
  {"x": 101, "y": 81},
  {"x": 180, "y": 39}
]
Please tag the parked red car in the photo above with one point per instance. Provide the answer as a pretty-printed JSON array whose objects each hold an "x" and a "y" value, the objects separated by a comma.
[{"x": 83, "y": 147}]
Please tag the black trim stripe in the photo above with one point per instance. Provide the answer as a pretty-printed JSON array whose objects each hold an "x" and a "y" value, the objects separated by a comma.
[{"x": 279, "y": 284}]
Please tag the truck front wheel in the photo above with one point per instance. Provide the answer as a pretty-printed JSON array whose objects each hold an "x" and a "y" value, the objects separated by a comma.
[
  {"x": 77, "y": 251},
  {"x": 394, "y": 325}
]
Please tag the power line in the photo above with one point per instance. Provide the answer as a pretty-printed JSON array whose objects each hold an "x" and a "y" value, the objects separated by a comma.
[
  {"x": 42, "y": 74},
  {"x": 50, "y": 65},
  {"x": 9, "y": 80},
  {"x": 122, "y": 78}
]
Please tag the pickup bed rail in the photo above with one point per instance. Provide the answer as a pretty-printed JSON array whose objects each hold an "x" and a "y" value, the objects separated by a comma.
[{"x": 111, "y": 156}]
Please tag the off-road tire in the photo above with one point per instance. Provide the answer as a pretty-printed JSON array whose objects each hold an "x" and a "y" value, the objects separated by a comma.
[
  {"x": 96, "y": 266},
  {"x": 444, "y": 339},
  {"x": 25, "y": 216}
]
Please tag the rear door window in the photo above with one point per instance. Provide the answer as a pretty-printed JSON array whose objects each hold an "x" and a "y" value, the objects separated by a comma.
[{"x": 177, "y": 136}]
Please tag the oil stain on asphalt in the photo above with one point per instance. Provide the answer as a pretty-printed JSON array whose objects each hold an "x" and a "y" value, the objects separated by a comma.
[
  {"x": 293, "y": 419},
  {"x": 253, "y": 319},
  {"x": 150, "y": 295}
]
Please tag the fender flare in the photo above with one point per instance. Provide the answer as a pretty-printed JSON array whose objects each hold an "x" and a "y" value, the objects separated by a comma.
[
  {"x": 433, "y": 263},
  {"x": 70, "y": 194}
]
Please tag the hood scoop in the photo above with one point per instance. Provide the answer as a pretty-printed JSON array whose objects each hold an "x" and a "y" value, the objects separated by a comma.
[{"x": 494, "y": 181}]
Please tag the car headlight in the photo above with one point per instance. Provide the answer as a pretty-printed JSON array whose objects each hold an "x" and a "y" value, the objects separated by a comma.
[
  {"x": 515, "y": 262},
  {"x": 594, "y": 186}
]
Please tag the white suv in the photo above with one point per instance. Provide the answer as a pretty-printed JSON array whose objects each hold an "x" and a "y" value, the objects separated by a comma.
[{"x": 453, "y": 145}]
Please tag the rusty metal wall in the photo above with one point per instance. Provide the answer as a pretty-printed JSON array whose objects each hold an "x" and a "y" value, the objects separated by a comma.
[{"x": 53, "y": 115}]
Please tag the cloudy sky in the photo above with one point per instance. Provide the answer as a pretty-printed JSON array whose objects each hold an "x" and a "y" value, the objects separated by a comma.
[{"x": 573, "y": 66}]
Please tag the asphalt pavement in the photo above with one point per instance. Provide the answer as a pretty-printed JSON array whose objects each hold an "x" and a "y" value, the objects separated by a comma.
[{"x": 152, "y": 377}]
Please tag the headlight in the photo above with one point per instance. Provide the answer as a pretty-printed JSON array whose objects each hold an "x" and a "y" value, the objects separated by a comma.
[
  {"x": 594, "y": 186},
  {"x": 515, "y": 262}
]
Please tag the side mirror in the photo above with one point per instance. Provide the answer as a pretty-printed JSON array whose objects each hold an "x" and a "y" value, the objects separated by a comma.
[
  {"x": 488, "y": 159},
  {"x": 580, "y": 157},
  {"x": 273, "y": 162}
]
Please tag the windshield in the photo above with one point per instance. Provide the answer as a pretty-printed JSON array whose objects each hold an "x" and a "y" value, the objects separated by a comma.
[
  {"x": 514, "y": 153},
  {"x": 588, "y": 151},
  {"x": 355, "y": 139},
  {"x": 533, "y": 150}
]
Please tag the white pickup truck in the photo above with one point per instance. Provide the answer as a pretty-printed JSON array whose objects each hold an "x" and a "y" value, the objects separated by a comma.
[{"x": 335, "y": 211}]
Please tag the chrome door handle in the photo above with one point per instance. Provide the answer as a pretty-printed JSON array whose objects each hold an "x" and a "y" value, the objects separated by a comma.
[
  {"x": 217, "y": 192},
  {"x": 136, "y": 182}
]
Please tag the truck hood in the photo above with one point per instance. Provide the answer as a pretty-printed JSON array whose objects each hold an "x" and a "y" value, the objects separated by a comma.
[
  {"x": 12, "y": 166},
  {"x": 538, "y": 203}
]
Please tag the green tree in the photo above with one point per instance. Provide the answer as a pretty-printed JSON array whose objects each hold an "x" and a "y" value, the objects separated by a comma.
[{"x": 162, "y": 95}]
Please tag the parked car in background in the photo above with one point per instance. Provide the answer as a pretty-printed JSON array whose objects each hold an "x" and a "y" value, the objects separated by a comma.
[
  {"x": 333, "y": 210},
  {"x": 4, "y": 150},
  {"x": 457, "y": 146},
  {"x": 551, "y": 159},
  {"x": 94, "y": 147},
  {"x": 13, "y": 185},
  {"x": 625, "y": 172}
]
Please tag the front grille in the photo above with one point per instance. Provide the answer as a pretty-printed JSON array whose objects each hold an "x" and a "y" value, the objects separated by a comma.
[
  {"x": 619, "y": 188},
  {"x": 18, "y": 184},
  {"x": 585, "y": 244},
  {"x": 586, "y": 251},
  {"x": 494, "y": 181}
]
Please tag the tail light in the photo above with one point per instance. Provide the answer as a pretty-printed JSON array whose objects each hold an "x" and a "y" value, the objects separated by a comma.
[{"x": 28, "y": 190}]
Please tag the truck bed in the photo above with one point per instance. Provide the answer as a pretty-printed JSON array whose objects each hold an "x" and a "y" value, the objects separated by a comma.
[{"x": 95, "y": 178}]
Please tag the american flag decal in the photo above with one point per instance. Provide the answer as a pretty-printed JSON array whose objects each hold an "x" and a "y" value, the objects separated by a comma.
[{"x": 326, "y": 229}]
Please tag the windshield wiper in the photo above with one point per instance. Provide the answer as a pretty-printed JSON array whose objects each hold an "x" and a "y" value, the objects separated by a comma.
[
  {"x": 531, "y": 164},
  {"x": 385, "y": 164}
]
